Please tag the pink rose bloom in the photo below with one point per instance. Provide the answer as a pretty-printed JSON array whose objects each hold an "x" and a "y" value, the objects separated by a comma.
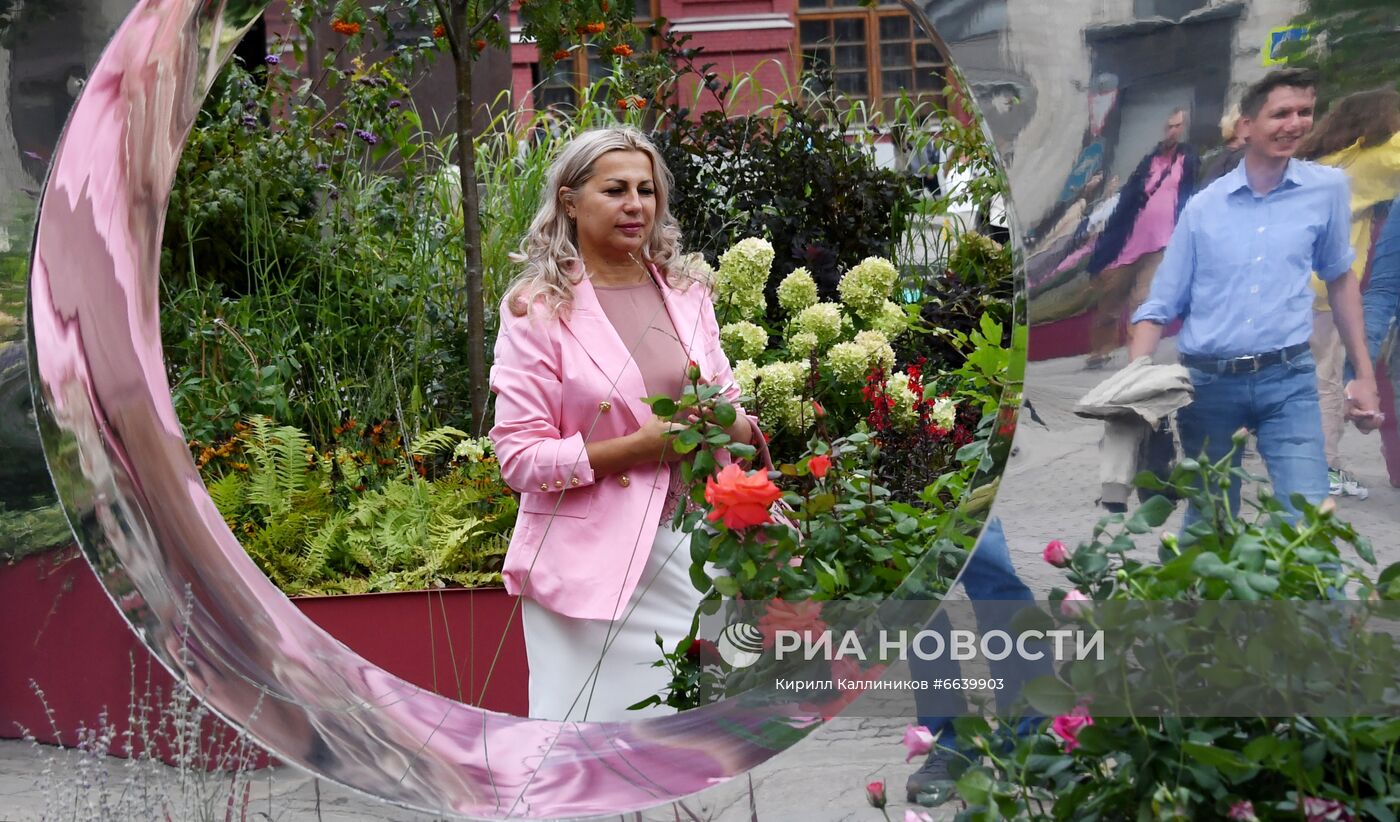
[
  {"x": 911, "y": 815},
  {"x": 1068, "y": 726},
  {"x": 875, "y": 793},
  {"x": 918, "y": 740},
  {"x": 1056, "y": 554},
  {"x": 1242, "y": 811},
  {"x": 1072, "y": 604},
  {"x": 1326, "y": 810}
]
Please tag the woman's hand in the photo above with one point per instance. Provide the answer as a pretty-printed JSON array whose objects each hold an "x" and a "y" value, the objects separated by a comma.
[{"x": 654, "y": 440}]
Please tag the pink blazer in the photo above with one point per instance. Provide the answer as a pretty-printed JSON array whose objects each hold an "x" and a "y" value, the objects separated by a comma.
[{"x": 581, "y": 540}]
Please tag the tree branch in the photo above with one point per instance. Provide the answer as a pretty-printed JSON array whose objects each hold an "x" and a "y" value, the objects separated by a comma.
[{"x": 500, "y": 6}]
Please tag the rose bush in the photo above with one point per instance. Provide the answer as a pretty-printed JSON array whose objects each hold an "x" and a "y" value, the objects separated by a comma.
[{"x": 1146, "y": 765}]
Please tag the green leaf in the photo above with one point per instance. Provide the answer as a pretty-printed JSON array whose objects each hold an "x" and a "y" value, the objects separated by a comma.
[
  {"x": 725, "y": 414},
  {"x": 688, "y": 440},
  {"x": 727, "y": 586},
  {"x": 1150, "y": 514},
  {"x": 1225, "y": 760},
  {"x": 662, "y": 406},
  {"x": 1049, "y": 696},
  {"x": 976, "y": 785}
]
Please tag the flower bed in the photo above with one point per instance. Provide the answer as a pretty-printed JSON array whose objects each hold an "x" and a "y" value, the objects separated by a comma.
[{"x": 63, "y": 636}]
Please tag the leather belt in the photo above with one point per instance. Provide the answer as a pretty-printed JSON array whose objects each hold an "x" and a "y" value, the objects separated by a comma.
[{"x": 1242, "y": 365}]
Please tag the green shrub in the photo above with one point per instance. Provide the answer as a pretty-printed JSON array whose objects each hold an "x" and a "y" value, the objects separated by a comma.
[
  {"x": 368, "y": 514},
  {"x": 789, "y": 178}
]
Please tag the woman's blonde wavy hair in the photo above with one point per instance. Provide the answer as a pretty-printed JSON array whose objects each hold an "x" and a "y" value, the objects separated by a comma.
[{"x": 550, "y": 248}]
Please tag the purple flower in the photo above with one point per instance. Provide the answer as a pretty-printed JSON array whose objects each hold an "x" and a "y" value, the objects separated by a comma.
[
  {"x": 335, "y": 194},
  {"x": 394, "y": 104},
  {"x": 249, "y": 120},
  {"x": 340, "y": 127},
  {"x": 367, "y": 136},
  {"x": 1326, "y": 810},
  {"x": 496, "y": 17},
  {"x": 272, "y": 59},
  {"x": 1242, "y": 811},
  {"x": 322, "y": 167}
]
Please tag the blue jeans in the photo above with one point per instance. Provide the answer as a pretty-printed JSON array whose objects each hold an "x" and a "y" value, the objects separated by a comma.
[
  {"x": 1280, "y": 405},
  {"x": 991, "y": 582}
]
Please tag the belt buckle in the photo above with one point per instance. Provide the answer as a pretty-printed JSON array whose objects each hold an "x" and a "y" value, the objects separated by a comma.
[{"x": 1253, "y": 364}]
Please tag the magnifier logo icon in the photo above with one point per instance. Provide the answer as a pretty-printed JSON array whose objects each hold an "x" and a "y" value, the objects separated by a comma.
[{"x": 740, "y": 645}]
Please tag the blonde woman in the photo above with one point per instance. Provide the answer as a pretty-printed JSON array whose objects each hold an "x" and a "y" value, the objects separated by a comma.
[{"x": 603, "y": 314}]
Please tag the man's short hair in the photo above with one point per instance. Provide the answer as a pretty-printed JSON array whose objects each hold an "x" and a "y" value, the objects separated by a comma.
[{"x": 1255, "y": 97}]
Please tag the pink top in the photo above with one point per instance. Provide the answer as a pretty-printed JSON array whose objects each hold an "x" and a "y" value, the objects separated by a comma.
[
  {"x": 640, "y": 319},
  {"x": 639, "y": 316},
  {"x": 1158, "y": 216}
]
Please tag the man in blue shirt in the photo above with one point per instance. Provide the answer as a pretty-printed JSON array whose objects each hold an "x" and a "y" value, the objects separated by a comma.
[{"x": 1237, "y": 270}]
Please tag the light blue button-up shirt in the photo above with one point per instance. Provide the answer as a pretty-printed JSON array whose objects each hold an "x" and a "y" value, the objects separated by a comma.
[{"x": 1239, "y": 264}]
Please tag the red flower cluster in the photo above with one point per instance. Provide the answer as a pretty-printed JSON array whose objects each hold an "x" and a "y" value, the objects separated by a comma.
[
  {"x": 703, "y": 652},
  {"x": 439, "y": 31},
  {"x": 345, "y": 27},
  {"x": 479, "y": 45},
  {"x": 561, "y": 54},
  {"x": 623, "y": 50},
  {"x": 881, "y": 416}
]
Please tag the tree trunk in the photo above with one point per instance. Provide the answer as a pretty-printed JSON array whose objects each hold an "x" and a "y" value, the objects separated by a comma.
[{"x": 471, "y": 220}]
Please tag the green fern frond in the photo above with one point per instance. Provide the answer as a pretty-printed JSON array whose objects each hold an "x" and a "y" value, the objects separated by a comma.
[
  {"x": 227, "y": 492},
  {"x": 437, "y": 441}
]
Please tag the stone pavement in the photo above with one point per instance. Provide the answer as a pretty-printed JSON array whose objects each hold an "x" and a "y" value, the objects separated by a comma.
[
  {"x": 821, "y": 779},
  {"x": 1051, "y": 482}
]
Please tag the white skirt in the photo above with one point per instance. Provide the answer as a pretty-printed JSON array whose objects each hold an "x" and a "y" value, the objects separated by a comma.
[{"x": 590, "y": 670}]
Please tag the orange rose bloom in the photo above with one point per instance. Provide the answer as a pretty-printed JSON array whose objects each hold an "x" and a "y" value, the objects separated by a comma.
[
  {"x": 346, "y": 28},
  {"x": 623, "y": 50},
  {"x": 741, "y": 500},
  {"x": 803, "y": 617},
  {"x": 819, "y": 465}
]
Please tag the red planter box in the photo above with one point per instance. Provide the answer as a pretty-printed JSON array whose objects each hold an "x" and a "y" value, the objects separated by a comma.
[{"x": 61, "y": 632}]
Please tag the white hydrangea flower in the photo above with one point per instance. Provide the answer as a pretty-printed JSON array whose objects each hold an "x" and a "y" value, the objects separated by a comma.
[
  {"x": 743, "y": 340},
  {"x": 897, "y": 387},
  {"x": 802, "y": 344},
  {"x": 866, "y": 287},
  {"x": 797, "y": 291},
  {"x": 744, "y": 373},
  {"x": 849, "y": 362},
  {"x": 822, "y": 320},
  {"x": 779, "y": 392},
  {"x": 944, "y": 413},
  {"x": 877, "y": 348},
  {"x": 698, "y": 268},
  {"x": 891, "y": 320},
  {"x": 473, "y": 449},
  {"x": 743, "y": 273}
]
